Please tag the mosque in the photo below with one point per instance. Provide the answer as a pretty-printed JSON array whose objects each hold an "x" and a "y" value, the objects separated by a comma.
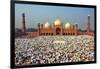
[{"x": 58, "y": 29}]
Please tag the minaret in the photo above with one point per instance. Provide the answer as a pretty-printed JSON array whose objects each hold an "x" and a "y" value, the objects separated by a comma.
[
  {"x": 42, "y": 26},
  {"x": 23, "y": 23},
  {"x": 76, "y": 28},
  {"x": 38, "y": 28},
  {"x": 88, "y": 27}
]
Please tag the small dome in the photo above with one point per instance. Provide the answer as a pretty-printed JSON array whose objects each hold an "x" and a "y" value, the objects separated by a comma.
[
  {"x": 57, "y": 22},
  {"x": 67, "y": 25},
  {"x": 47, "y": 25},
  {"x": 88, "y": 15}
]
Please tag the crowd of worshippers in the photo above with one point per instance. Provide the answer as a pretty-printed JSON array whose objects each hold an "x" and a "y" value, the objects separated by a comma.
[{"x": 42, "y": 50}]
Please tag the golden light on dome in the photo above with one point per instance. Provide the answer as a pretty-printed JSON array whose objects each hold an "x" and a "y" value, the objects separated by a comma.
[
  {"x": 57, "y": 22},
  {"x": 47, "y": 25},
  {"x": 67, "y": 25}
]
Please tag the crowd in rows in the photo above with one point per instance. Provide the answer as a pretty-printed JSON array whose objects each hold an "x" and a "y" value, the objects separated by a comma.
[{"x": 42, "y": 50}]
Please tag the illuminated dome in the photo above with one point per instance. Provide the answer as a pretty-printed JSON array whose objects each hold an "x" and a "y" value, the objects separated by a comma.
[
  {"x": 57, "y": 22},
  {"x": 47, "y": 25},
  {"x": 67, "y": 25}
]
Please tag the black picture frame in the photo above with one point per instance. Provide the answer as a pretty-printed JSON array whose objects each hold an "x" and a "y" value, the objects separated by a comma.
[{"x": 12, "y": 32}]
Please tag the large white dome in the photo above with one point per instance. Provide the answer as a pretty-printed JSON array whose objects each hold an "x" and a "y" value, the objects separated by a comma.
[
  {"x": 57, "y": 22},
  {"x": 67, "y": 25},
  {"x": 47, "y": 25}
]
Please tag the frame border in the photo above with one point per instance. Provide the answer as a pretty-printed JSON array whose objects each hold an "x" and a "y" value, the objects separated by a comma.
[{"x": 12, "y": 33}]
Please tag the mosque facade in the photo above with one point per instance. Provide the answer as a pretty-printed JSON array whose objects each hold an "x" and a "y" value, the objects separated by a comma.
[{"x": 58, "y": 29}]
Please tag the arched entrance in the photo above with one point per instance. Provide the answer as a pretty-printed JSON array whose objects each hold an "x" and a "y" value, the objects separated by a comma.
[{"x": 58, "y": 30}]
